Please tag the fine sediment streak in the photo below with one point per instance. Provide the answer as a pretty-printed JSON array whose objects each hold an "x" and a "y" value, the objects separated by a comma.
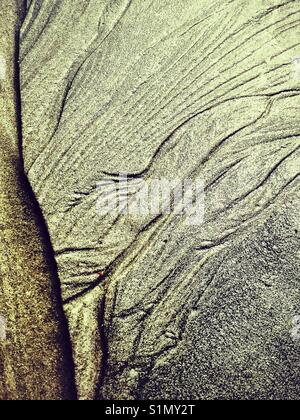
[
  {"x": 169, "y": 90},
  {"x": 35, "y": 355}
]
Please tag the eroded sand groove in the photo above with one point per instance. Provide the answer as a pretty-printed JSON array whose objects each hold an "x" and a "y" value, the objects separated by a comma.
[
  {"x": 35, "y": 355},
  {"x": 160, "y": 88}
]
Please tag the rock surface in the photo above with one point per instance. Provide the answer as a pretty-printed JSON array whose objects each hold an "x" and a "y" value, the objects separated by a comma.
[
  {"x": 190, "y": 90},
  {"x": 35, "y": 360}
]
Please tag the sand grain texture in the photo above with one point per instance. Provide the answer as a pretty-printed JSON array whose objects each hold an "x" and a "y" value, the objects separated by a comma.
[
  {"x": 35, "y": 360},
  {"x": 166, "y": 88}
]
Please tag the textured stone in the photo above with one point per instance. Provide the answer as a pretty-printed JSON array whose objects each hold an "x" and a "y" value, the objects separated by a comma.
[
  {"x": 35, "y": 361},
  {"x": 166, "y": 88}
]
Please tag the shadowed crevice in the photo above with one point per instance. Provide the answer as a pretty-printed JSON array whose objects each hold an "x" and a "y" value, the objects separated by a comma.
[{"x": 44, "y": 238}]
